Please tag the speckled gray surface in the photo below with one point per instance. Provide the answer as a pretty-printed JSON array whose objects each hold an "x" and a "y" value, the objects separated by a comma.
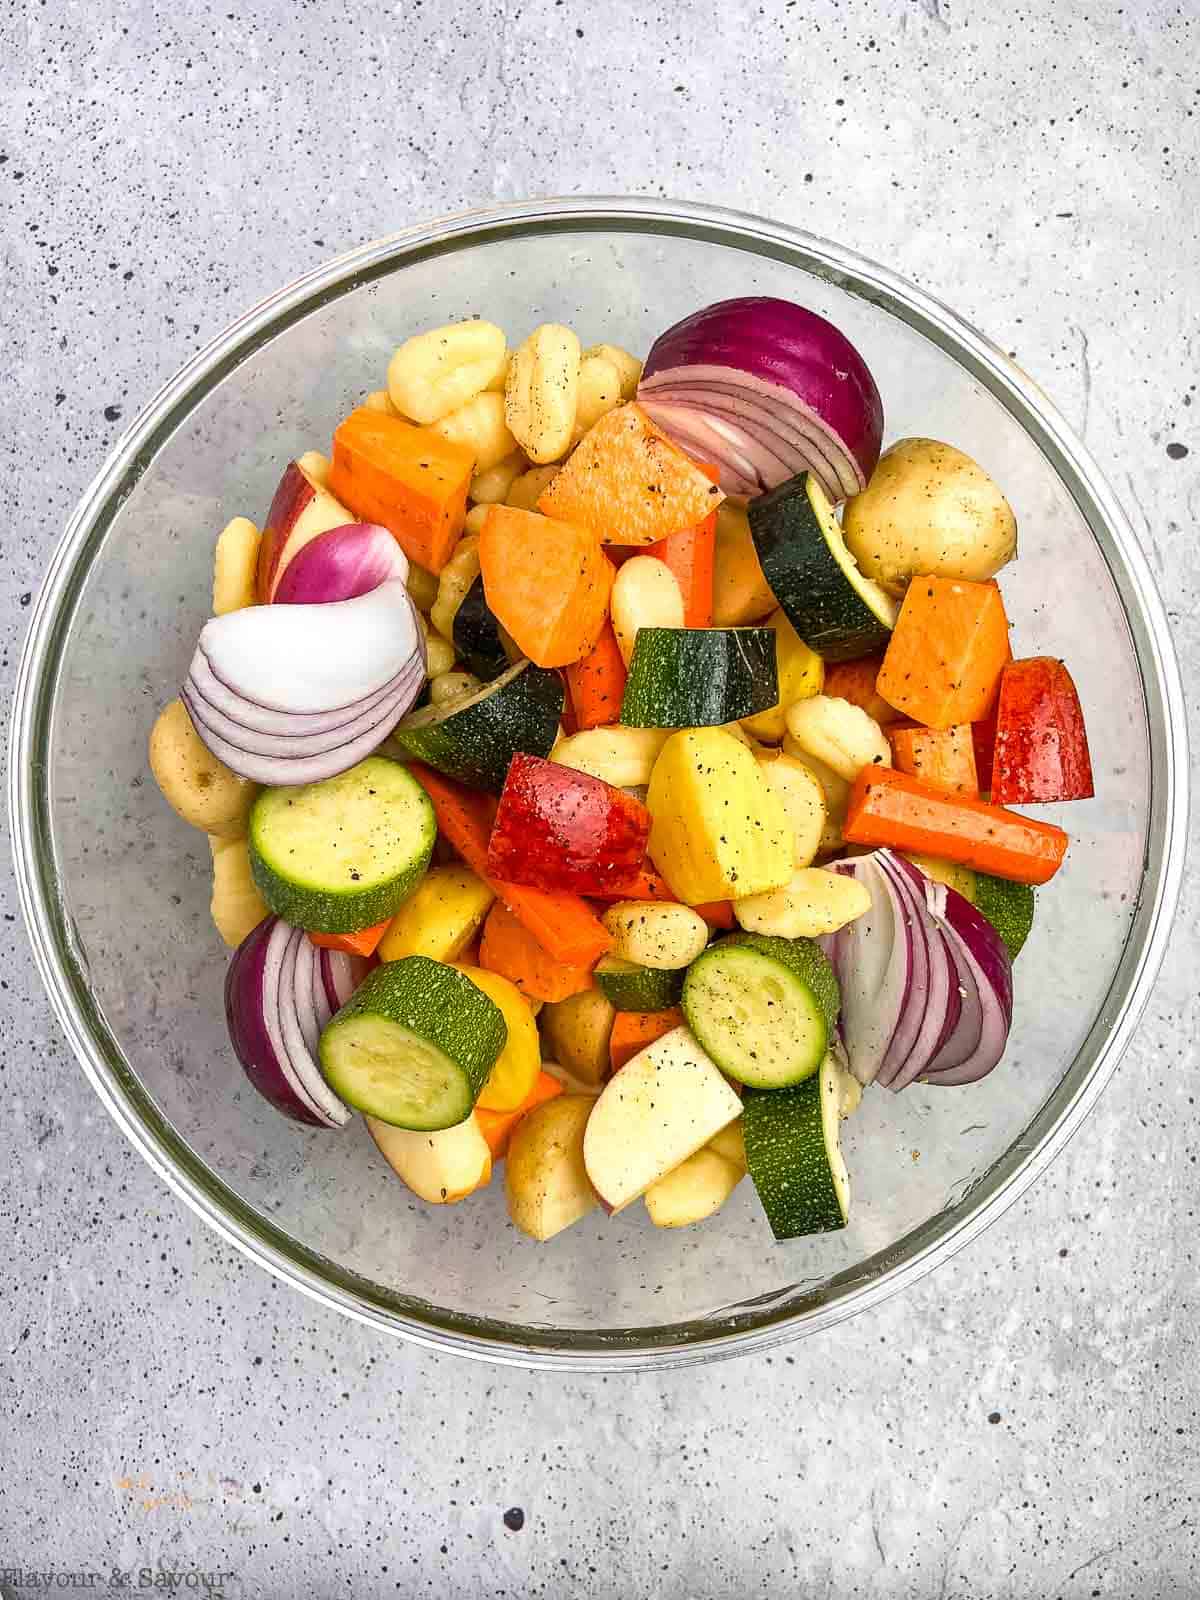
[{"x": 1025, "y": 1421}]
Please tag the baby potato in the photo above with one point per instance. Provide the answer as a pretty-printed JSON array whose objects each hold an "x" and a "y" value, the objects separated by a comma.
[
  {"x": 544, "y": 1177},
  {"x": 929, "y": 510},
  {"x": 575, "y": 1032},
  {"x": 197, "y": 786},
  {"x": 236, "y": 906}
]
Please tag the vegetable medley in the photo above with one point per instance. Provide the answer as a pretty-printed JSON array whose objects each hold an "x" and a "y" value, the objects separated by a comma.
[{"x": 608, "y": 769}]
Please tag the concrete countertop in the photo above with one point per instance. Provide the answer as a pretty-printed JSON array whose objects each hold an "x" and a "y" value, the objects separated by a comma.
[{"x": 1024, "y": 1422}]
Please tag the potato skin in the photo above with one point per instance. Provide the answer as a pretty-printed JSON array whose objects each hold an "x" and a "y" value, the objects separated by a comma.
[
  {"x": 545, "y": 1179},
  {"x": 197, "y": 786},
  {"x": 929, "y": 509}
]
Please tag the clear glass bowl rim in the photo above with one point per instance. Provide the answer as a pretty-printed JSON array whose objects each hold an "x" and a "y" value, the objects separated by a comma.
[{"x": 63, "y": 967}]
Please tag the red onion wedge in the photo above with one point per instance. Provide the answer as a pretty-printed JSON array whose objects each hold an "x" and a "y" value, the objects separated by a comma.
[
  {"x": 766, "y": 389},
  {"x": 296, "y": 693},
  {"x": 272, "y": 989},
  {"x": 926, "y": 981},
  {"x": 341, "y": 565}
]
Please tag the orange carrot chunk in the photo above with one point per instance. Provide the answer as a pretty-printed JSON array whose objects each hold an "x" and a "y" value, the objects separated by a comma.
[
  {"x": 690, "y": 555},
  {"x": 409, "y": 479},
  {"x": 510, "y": 949},
  {"x": 634, "y": 1030},
  {"x": 944, "y": 757},
  {"x": 497, "y": 1127},
  {"x": 947, "y": 652},
  {"x": 363, "y": 943},
  {"x": 596, "y": 682},
  {"x": 547, "y": 582},
  {"x": 855, "y": 681},
  {"x": 901, "y": 812},
  {"x": 629, "y": 483},
  {"x": 563, "y": 924}
]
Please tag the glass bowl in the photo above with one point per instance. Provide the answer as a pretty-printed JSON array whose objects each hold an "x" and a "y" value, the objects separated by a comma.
[{"x": 115, "y": 888}]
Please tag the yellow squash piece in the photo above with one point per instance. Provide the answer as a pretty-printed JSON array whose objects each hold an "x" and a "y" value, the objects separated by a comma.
[
  {"x": 518, "y": 1064},
  {"x": 801, "y": 675},
  {"x": 440, "y": 917},
  {"x": 719, "y": 831}
]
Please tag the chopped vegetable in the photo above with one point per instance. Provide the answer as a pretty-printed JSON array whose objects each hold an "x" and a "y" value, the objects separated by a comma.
[
  {"x": 1041, "y": 749},
  {"x": 478, "y": 636},
  {"x": 719, "y": 829},
  {"x": 690, "y": 555},
  {"x": 545, "y": 1178},
  {"x": 741, "y": 593},
  {"x": 441, "y": 1167},
  {"x": 1007, "y": 906},
  {"x": 577, "y": 1033},
  {"x": 948, "y": 650},
  {"x": 891, "y": 808},
  {"x": 694, "y": 1190},
  {"x": 664, "y": 1105},
  {"x": 624, "y": 757},
  {"x": 410, "y": 479},
  {"x": 929, "y": 510},
  {"x": 440, "y": 917},
  {"x": 631, "y": 987},
  {"x": 841, "y": 736},
  {"x": 659, "y": 934},
  {"x": 629, "y": 484},
  {"x": 236, "y": 906},
  {"x": 645, "y": 594},
  {"x": 342, "y": 855},
  {"x": 194, "y": 783},
  {"x": 803, "y": 802},
  {"x": 556, "y": 828},
  {"x": 983, "y": 737},
  {"x": 498, "y": 1127},
  {"x": 801, "y": 674},
  {"x": 632, "y": 1031},
  {"x": 511, "y": 1080},
  {"x": 511, "y": 950},
  {"x": 414, "y": 1045},
  {"x": 699, "y": 677},
  {"x": 794, "y": 1156},
  {"x": 596, "y": 682},
  {"x": 813, "y": 902},
  {"x": 301, "y": 510},
  {"x": 766, "y": 389},
  {"x": 563, "y": 924},
  {"x": 547, "y": 582},
  {"x": 763, "y": 1008},
  {"x": 944, "y": 757},
  {"x": 235, "y": 567},
  {"x": 473, "y": 738},
  {"x": 364, "y": 942},
  {"x": 341, "y": 565},
  {"x": 855, "y": 681}
]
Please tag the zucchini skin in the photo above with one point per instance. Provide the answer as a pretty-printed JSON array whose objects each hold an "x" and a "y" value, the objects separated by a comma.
[
  {"x": 700, "y": 677},
  {"x": 788, "y": 1160},
  {"x": 640, "y": 988},
  {"x": 476, "y": 635},
  {"x": 474, "y": 739},
  {"x": 816, "y": 596}
]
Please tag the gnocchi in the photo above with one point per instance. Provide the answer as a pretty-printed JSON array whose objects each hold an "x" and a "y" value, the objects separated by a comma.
[
  {"x": 840, "y": 734},
  {"x": 542, "y": 392},
  {"x": 422, "y": 586},
  {"x": 455, "y": 579},
  {"x": 434, "y": 373},
  {"x": 645, "y": 594},
  {"x": 624, "y": 757},
  {"x": 235, "y": 567},
  {"x": 491, "y": 487},
  {"x": 452, "y": 686},
  {"x": 380, "y": 400},
  {"x": 526, "y": 490},
  {"x": 813, "y": 903},
  {"x": 599, "y": 392},
  {"x": 197, "y": 786},
  {"x": 481, "y": 426},
  {"x": 628, "y": 368},
  {"x": 655, "y": 933},
  {"x": 316, "y": 467}
]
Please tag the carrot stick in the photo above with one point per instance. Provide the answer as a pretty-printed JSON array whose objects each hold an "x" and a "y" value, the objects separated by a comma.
[
  {"x": 943, "y": 757},
  {"x": 596, "y": 682},
  {"x": 363, "y": 943},
  {"x": 563, "y": 924},
  {"x": 497, "y": 1127},
  {"x": 634, "y": 1030},
  {"x": 511, "y": 950},
  {"x": 690, "y": 555},
  {"x": 899, "y": 811}
]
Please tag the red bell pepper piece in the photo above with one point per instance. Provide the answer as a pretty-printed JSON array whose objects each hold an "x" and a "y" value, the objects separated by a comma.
[
  {"x": 564, "y": 830},
  {"x": 983, "y": 737},
  {"x": 1041, "y": 742}
]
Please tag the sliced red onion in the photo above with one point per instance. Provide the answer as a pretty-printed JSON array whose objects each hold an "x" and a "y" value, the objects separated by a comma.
[
  {"x": 985, "y": 963},
  {"x": 738, "y": 460},
  {"x": 792, "y": 376},
  {"x": 911, "y": 1020},
  {"x": 341, "y": 974},
  {"x": 871, "y": 958},
  {"x": 271, "y": 965},
  {"x": 293, "y": 694},
  {"x": 341, "y": 565},
  {"x": 938, "y": 980}
]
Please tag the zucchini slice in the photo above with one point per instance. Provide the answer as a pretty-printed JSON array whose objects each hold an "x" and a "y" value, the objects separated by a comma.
[
  {"x": 474, "y": 739},
  {"x": 477, "y": 635},
  {"x": 794, "y": 1157},
  {"x": 699, "y": 677},
  {"x": 414, "y": 1045},
  {"x": 763, "y": 1008},
  {"x": 836, "y": 610},
  {"x": 341, "y": 855},
  {"x": 628, "y": 987}
]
